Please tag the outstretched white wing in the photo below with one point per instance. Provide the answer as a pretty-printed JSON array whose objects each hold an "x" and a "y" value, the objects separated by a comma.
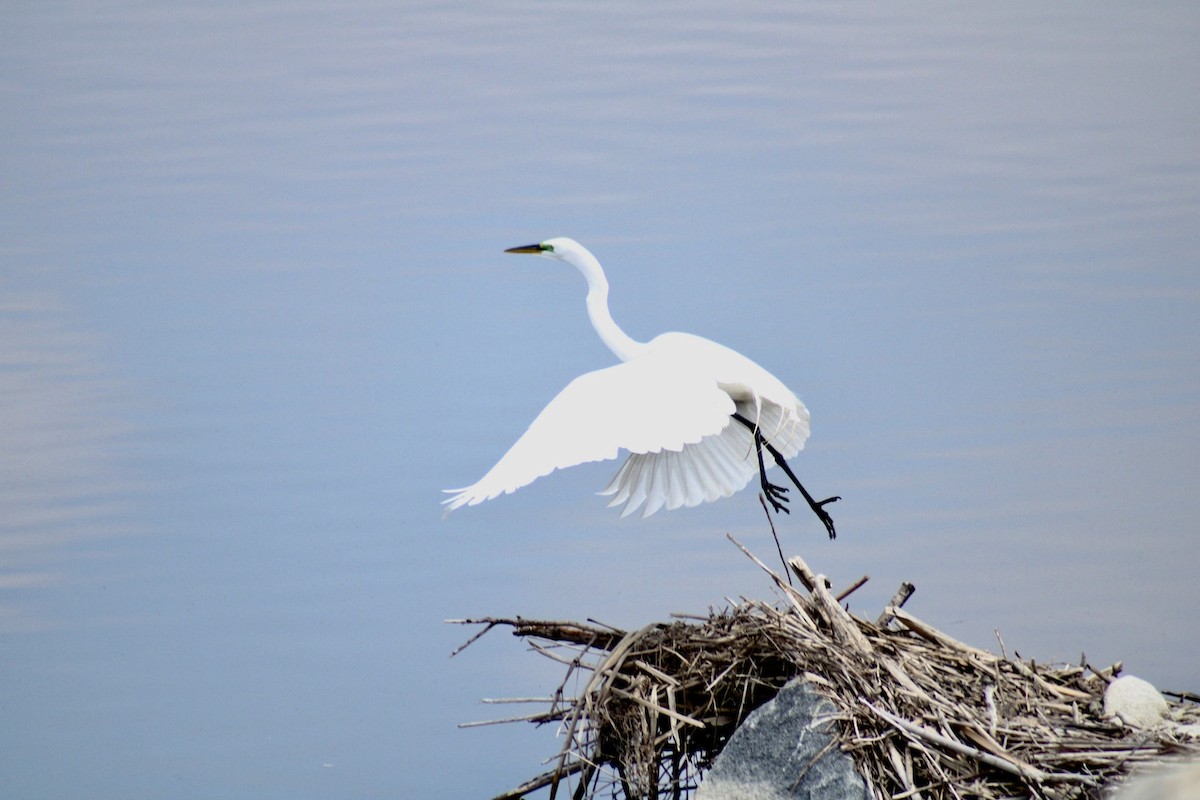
[
  {"x": 671, "y": 408},
  {"x": 647, "y": 405}
]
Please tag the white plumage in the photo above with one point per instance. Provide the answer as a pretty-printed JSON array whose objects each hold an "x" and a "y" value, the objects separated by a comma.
[{"x": 670, "y": 404}]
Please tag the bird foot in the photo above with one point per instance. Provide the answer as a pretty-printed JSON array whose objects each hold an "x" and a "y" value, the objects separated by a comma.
[
  {"x": 823, "y": 515},
  {"x": 776, "y": 496}
]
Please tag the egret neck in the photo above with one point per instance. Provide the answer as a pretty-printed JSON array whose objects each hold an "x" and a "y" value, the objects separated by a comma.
[{"x": 617, "y": 340}]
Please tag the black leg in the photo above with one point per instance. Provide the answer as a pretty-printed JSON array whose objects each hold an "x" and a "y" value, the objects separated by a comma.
[{"x": 775, "y": 493}]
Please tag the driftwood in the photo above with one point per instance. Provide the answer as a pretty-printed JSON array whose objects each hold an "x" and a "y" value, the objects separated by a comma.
[{"x": 644, "y": 713}]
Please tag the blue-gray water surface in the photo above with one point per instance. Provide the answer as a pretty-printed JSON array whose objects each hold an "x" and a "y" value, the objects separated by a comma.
[{"x": 254, "y": 317}]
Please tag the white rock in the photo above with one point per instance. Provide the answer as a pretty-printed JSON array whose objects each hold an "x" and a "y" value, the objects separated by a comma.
[
  {"x": 1179, "y": 783},
  {"x": 1136, "y": 702}
]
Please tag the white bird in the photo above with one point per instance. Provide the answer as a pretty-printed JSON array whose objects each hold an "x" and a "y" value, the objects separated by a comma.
[{"x": 694, "y": 415}]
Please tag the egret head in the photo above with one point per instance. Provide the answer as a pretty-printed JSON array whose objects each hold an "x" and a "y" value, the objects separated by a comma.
[{"x": 561, "y": 248}]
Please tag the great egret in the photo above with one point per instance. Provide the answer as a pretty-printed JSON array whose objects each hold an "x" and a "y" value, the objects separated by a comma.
[{"x": 694, "y": 415}]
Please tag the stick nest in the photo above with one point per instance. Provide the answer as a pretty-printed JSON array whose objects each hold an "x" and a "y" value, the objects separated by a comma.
[{"x": 644, "y": 713}]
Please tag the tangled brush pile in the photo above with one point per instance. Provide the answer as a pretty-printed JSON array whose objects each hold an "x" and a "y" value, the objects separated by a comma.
[{"x": 644, "y": 713}]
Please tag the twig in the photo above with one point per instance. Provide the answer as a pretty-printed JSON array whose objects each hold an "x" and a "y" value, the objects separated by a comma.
[
  {"x": 657, "y": 673},
  {"x": 852, "y": 588},
  {"x": 838, "y": 617},
  {"x": 539, "y": 718},
  {"x": 1105, "y": 675},
  {"x": 540, "y": 782},
  {"x": 802, "y": 571},
  {"x": 754, "y": 558},
  {"x": 763, "y": 502},
  {"x": 898, "y": 599},
  {"x": 684, "y": 718},
  {"x": 515, "y": 700},
  {"x": 920, "y": 731},
  {"x": 927, "y": 631},
  {"x": 490, "y": 624}
]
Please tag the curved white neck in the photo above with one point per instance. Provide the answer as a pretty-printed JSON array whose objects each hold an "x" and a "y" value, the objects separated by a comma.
[{"x": 617, "y": 340}]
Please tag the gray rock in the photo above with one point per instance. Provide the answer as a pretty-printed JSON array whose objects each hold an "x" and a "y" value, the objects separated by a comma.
[{"x": 784, "y": 750}]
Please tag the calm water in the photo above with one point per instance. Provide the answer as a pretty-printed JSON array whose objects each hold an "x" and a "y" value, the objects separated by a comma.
[{"x": 254, "y": 316}]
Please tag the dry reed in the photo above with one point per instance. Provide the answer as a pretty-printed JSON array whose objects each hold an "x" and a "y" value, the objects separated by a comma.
[{"x": 644, "y": 713}]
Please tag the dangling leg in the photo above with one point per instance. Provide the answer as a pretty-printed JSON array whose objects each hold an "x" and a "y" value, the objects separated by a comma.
[
  {"x": 775, "y": 493},
  {"x": 818, "y": 507}
]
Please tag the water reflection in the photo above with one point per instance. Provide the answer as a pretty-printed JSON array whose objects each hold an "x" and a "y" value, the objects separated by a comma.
[{"x": 62, "y": 478}]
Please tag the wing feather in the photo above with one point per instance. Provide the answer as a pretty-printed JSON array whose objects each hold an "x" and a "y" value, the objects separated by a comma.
[
  {"x": 705, "y": 481},
  {"x": 648, "y": 405},
  {"x": 715, "y": 467}
]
